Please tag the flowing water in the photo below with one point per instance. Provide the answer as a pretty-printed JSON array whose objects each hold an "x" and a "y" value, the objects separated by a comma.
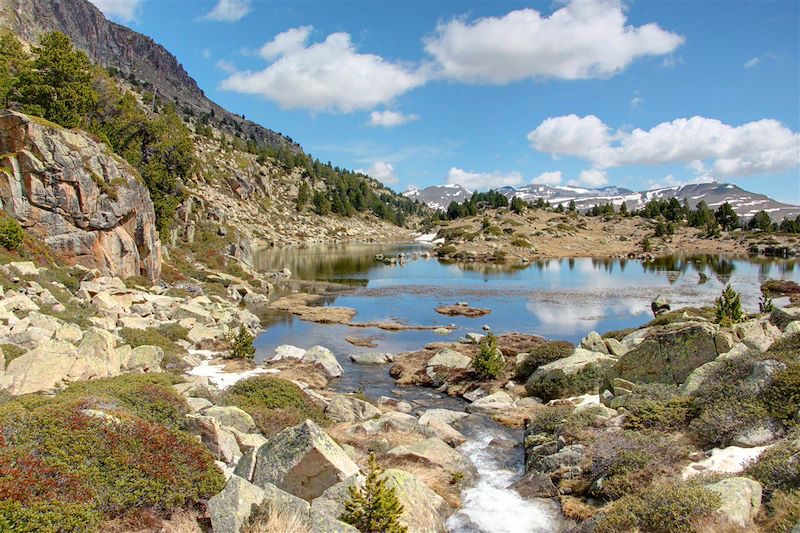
[{"x": 560, "y": 298}]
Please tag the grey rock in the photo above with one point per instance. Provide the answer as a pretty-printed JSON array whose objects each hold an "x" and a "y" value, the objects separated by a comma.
[{"x": 346, "y": 409}]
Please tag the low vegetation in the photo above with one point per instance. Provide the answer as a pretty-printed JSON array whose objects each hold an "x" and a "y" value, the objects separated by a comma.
[{"x": 489, "y": 362}]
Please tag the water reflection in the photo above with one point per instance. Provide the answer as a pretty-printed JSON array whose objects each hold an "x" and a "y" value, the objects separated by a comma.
[{"x": 559, "y": 298}]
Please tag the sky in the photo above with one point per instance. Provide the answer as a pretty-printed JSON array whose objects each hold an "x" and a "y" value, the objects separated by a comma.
[{"x": 637, "y": 94}]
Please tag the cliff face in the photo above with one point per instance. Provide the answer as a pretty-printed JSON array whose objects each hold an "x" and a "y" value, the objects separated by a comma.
[
  {"x": 86, "y": 203},
  {"x": 113, "y": 45}
]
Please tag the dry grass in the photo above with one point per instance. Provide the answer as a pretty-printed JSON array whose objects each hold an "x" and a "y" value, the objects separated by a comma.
[
  {"x": 574, "y": 509},
  {"x": 436, "y": 478},
  {"x": 379, "y": 443},
  {"x": 278, "y": 520}
]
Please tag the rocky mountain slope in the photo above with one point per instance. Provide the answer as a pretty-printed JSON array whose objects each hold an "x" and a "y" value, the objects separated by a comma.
[
  {"x": 745, "y": 203},
  {"x": 136, "y": 56}
]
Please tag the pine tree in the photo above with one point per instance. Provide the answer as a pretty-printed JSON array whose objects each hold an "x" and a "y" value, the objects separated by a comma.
[
  {"x": 241, "y": 345},
  {"x": 489, "y": 362},
  {"x": 729, "y": 307},
  {"x": 374, "y": 508}
]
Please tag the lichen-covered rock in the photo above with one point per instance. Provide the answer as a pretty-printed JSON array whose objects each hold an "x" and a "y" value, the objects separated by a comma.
[
  {"x": 232, "y": 416},
  {"x": 741, "y": 500},
  {"x": 783, "y": 316},
  {"x": 580, "y": 359},
  {"x": 322, "y": 356},
  {"x": 346, "y": 409},
  {"x": 302, "y": 460},
  {"x": 668, "y": 354},
  {"x": 83, "y": 201},
  {"x": 231, "y": 508},
  {"x": 449, "y": 359}
]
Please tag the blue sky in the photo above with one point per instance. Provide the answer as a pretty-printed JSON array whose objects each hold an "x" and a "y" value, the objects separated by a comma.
[{"x": 594, "y": 92}]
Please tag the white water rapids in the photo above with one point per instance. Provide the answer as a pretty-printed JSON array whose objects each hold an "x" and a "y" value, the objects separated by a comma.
[{"x": 491, "y": 506}]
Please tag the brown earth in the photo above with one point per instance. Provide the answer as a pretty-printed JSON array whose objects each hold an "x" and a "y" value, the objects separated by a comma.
[{"x": 462, "y": 310}]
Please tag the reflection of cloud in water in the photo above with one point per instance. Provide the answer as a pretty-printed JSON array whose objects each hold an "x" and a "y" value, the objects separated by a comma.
[{"x": 572, "y": 316}]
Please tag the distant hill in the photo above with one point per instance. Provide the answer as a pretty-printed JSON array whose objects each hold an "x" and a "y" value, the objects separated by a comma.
[{"x": 745, "y": 203}]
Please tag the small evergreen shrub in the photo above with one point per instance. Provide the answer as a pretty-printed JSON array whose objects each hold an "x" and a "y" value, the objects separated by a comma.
[
  {"x": 660, "y": 508},
  {"x": 583, "y": 381},
  {"x": 489, "y": 362},
  {"x": 670, "y": 415},
  {"x": 11, "y": 233},
  {"x": 541, "y": 355},
  {"x": 782, "y": 397},
  {"x": 375, "y": 507},
  {"x": 784, "y": 512},
  {"x": 241, "y": 344},
  {"x": 728, "y": 307},
  {"x": 549, "y": 420},
  {"x": 765, "y": 304},
  {"x": 164, "y": 337},
  {"x": 778, "y": 468},
  {"x": 274, "y": 403}
]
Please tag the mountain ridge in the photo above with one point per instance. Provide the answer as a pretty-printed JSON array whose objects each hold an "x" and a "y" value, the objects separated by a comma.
[{"x": 745, "y": 203}]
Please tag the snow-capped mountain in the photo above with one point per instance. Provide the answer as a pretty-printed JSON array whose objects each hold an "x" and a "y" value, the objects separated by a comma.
[
  {"x": 439, "y": 196},
  {"x": 745, "y": 203}
]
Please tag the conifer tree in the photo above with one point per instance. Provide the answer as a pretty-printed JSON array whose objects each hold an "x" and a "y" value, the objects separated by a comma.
[
  {"x": 374, "y": 508},
  {"x": 729, "y": 307}
]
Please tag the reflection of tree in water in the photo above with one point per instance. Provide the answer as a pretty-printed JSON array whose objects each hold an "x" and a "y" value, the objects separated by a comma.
[
  {"x": 607, "y": 263},
  {"x": 571, "y": 263}
]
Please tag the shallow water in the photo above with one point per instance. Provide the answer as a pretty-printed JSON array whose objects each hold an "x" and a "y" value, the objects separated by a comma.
[{"x": 562, "y": 299}]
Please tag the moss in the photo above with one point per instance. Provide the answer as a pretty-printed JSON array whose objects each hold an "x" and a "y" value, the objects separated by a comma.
[
  {"x": 585, "y": 380},
  {"x": 11, "y": 351},
  {"x": 541, "y": 355},
  {"x": 274, "y": 403}
]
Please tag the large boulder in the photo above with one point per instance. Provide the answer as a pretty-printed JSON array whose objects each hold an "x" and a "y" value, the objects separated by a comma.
[
  {"x": 346, "y": 409},
  {"x": 741, "y": 500},
  {"x": 324, "y": 357},
  {"x": 83, "y": 201},
  {"x": 372, "y": 358},
  {"x": 783, "y": 316},
  {"x": 302, "y": 460},
  {"x": 231, "y": 509},
  {"x": 449, "y": 359},
  {"x": 498, "y": 402},
  {"x": 669, "y": 354},
  {"x": 432, "y": 451},
  {"x": 580, "y": 359},
  {"x": 231, "y": 416},
  {"x": 220, "y": 442}
]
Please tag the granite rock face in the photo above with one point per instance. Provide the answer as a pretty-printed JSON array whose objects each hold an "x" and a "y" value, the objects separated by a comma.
[{"x": 86, "y": 203}]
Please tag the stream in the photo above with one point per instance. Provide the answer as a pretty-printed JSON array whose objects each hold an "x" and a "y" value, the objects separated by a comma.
[{"x": 560, "y": 299}]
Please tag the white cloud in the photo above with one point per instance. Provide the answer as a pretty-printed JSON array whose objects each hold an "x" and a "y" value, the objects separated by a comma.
[
  {"x": 229, "y": 10},
  {"x": 124, "y": 10},
  {"x": 762, "y": 146},
  {"x": 752, "y": 62},
  {"x": 593, "y": 178},
  {"x": 383, "y": 172},
  {"x": 637, "y": 101},
  {"x": 206, "y": 53},
  {"x": 583, "y": 39},
  {"x": 326, "y": 76},
  {"x": 483, "y": 180},
  {"x": 226, "y": 66},
  {"x": 387, "y": 118},
  {"x": 548, "y": 178}
]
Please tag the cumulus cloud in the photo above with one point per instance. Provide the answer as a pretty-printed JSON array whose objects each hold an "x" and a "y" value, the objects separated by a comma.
[
  {"x": 229, "y": 10},
  {"x": 483, "y": 180},
  {"x": 583, "y": 39},
  {"x": 226, "y": 66},
  {"x": 762, "y": 146},
  {"x": 383, "y": 172},
  {"x": 327, "y": 76},
  {"x": 548, "y": 178},
  {"x": 593, "y": 178},
  {"x": 124, "y": 10},
  {"x": 387, "y": 118},
  {"x": 637, "y": 101}
]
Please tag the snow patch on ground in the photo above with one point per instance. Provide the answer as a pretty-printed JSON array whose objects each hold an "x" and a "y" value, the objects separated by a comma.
[
  {"x": 730, "y": 460},
  {"x": 216, "y": 373}
]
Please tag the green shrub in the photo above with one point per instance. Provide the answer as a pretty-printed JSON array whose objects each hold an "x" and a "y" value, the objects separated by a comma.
[
  {"x": 778, "y": 468},
  {"x": 375, "y": 507},
  {"x": 489, "y": 362},
  {"x": 63, "y": 465},
  {"x": 493, "y": 230},
  {"x": 645, "y": 413},
  {"x": 521, "y": 242},
  {"x": 11, "y": 233},
  {"x": 446, "y": 250},
  {"x": 583, "y": 381},
  {"x": 164, "y": 337},
  {"x": 660, "y": 508},
  {"x": 784, "y": 512},
  {"x": 541, "y": 355},
  {"x": 682, "y": 315},
  {"x": 241, "y": 344},
  {"x": 274, "y": 403},
  {"x": 150, "y": 397},
  {"x": 549, "y": 420},
  {"x": 782, "y": 396},
  {"x": 728, "y": 307},
  {"x": 719, "y": 422}
]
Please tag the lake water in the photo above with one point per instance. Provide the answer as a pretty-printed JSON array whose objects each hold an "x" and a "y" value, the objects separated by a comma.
[{"x": 560, "y": 299}]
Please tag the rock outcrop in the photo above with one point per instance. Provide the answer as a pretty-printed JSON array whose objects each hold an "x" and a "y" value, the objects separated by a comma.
[{"x": 86, "y": 203}]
